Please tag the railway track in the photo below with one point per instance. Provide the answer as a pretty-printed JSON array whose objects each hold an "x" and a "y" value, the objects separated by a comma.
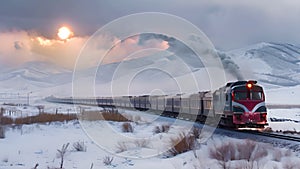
[{"x": 272, "y": 135}]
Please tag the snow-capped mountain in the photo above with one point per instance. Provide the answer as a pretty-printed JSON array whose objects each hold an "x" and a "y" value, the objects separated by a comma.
[
  {"x": 272, "y": 63},
  {"x": 33, "y": 75}
]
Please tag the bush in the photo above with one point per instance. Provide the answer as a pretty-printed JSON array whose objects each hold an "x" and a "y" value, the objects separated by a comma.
[
  {"x": 182, "y": 143},
  {"x": 161, "y": 129},
  {"x": 248, "y": 150},
  {"x": 224, "y": 152},
  {"x": 196, "y": 132},
  {"x": 142, "y": 143},
  {"x": 79, "y": 146},
  {"x": 2, "y": 132},
  {"x": 107, "y": 160},
  {"x": 127, "y": 127},
  {"x": 121, "y": 147},
  {"x": 61, "y": 153}
]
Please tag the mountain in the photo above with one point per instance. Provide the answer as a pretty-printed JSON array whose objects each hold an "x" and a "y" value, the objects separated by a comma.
[
  {"x": 274, "y": 64},
  {"x": 34, "y": 75}
]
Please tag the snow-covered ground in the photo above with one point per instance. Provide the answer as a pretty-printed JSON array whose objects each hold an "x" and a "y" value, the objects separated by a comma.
[
  {"x": 284, "y": 119},
  {"x": 283, "y": 95},
  {"x": 28, "y": 145}
]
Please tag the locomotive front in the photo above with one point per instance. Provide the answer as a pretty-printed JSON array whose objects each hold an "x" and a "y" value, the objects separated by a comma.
[{"x": 248, "y": 105}]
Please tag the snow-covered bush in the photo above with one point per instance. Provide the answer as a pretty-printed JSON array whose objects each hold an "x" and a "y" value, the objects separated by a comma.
[{"x": 247, "y": 151}]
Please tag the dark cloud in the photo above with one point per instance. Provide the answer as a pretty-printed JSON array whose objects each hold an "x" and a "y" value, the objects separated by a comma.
[
  {"x": 18, "y": 45},
  {"x": 229, "y": 24}
]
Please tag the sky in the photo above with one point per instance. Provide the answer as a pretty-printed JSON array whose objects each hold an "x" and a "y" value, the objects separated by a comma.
[{"x": 28, "y": 29}]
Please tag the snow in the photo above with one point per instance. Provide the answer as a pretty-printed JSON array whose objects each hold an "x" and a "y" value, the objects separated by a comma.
[
  {"x": 288, "y": 119},
  {"x": 283, "y": 95},
  {"x": 275, "y": 66},
  {"x": 39, "y": 144}
]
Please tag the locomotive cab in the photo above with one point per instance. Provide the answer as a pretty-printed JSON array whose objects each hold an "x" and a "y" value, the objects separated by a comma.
[{"x": 248, "y": 105}]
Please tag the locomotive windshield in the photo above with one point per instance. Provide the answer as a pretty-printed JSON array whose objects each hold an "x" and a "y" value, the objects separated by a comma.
[{"x": 242, "y": 93}]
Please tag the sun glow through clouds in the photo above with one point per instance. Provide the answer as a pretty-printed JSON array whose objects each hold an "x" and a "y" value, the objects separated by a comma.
[{"x": 64, "y": 33}]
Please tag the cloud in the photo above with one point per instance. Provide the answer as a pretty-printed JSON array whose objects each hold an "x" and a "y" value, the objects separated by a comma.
[
  {"x": 19, "y": 47},
  {"x": 132, "y": 47},
  {"x": 229, "y": 24}
]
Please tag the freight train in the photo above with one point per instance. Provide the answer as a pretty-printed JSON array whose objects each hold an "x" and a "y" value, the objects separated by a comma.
[{"x": 237, "y": 104}]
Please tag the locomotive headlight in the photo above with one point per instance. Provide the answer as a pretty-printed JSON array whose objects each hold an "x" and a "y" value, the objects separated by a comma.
[{"x": 249, "y": 85}]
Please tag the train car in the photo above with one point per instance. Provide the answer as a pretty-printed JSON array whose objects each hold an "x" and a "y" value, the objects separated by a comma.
[
  {"x": 237, "y": 104},
  {"x": 241, "y": 104}
]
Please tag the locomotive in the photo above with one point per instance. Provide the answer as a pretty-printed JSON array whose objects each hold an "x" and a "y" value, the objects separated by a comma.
[
  {"x": 241, "y": 104},
  {"x": 237, "y": 104}
]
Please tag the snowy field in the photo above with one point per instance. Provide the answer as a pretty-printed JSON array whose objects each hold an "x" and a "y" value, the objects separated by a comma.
[
  {"x": 284, "y": 119},
  {"x": 28, "y": 145}
]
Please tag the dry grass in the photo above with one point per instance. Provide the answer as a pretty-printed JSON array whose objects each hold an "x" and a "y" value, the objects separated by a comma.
[
  {"x": 6, "y": 120},
  {"x": 127, "y": 127},
  {"x": 97, "y": 115},
  {"x": 79, "y": 146},
  {"x": 41, "y": 118},
  {"x": 182, "y": 143}
]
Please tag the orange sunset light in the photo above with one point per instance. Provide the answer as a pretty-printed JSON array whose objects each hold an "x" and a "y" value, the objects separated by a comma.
[{"x": 64, "y": 33}]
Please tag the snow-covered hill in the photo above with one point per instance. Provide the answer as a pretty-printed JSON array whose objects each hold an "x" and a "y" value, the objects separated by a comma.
[
  {"x": 272, "y": 63},
  {"x": 33, "y": 76}
]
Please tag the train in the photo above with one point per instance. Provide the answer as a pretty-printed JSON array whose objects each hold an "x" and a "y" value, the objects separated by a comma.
[{"x": 239, "y": 104}]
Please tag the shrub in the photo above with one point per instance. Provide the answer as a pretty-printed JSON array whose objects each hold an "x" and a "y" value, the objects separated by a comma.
[
  {"x": 107, "y": 160},
  {"x": 245, "y": 149},
  {"x": 224, "y": 152},
  {"x": 61, "y": 154},
  {"x": 161, "y": 129},
  {"x": 2, "y": 132},
  {"x": 142, "y": 143},
  {"x": 196, "y": 132},
  {"x": 79, "y": 146},
  {"x": 248, "y": 150},
  {"x": 127, "y": 127},
  {"x": 183, "y": 143},
  {"x": 121, "y": 147}
]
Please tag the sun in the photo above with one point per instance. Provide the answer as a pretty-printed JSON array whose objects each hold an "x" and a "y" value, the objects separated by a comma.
[{"x": 64, "y": 33}]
